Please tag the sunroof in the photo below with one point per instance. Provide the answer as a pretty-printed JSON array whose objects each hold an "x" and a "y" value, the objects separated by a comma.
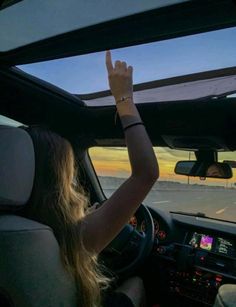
[
  {"x": 154, "y": 61},
  {"x": 30, "y": 21}
]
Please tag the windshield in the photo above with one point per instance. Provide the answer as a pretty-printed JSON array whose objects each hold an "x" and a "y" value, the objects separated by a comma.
[{"x": 215, "y": 198}]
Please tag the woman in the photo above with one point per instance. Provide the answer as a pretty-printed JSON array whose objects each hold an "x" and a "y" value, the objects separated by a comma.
[{"x": 60, "y": 203}]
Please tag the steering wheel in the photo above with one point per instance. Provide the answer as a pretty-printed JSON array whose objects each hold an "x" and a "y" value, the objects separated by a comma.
[{"x": 130, "y": 247}]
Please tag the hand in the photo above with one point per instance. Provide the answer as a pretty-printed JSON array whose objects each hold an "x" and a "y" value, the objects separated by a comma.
[{"x": 120, "y": 78}]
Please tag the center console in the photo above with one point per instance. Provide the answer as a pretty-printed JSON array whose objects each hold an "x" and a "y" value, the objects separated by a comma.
[
  {"x": 214, "y": 244},
  {"x": 199, "y": 266},
  {"x": 198, "y": 284}
]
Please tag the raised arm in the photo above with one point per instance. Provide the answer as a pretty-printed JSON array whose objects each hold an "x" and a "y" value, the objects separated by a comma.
[{"x": 102, "y": 225}]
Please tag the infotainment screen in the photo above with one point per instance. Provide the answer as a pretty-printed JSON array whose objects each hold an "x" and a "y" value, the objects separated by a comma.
[
  {"x": 206, "y": 242},
  {"x": 214, "y": 244},
  {"x": 226, "y": 247},
  {"x": 202, "y": 241}
]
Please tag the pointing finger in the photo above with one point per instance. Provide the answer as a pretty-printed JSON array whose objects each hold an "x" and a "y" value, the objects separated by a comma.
[
  {"x": 130, "y": 70},
  {"x": 124, "y": 65},
  {"x": 109, "y": 61}
]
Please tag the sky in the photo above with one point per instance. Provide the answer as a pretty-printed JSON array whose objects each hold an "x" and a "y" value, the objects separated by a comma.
[
  {"x": 114, "y": 162},
  {"x": 180, "y": 56},
  {"x": 86, "y": 74}
]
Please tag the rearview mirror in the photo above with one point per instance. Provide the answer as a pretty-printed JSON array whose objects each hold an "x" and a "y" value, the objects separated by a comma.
[{"x": 204, "y": 169}]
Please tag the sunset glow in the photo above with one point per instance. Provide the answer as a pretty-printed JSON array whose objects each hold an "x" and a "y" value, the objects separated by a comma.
[{"x": 114, "y": 162}]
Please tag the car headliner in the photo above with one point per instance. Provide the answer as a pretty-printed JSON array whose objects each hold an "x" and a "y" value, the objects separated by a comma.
[{"x": 186, "y": 124}]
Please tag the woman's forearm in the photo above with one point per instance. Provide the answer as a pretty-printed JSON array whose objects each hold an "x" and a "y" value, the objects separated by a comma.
[
  {"x": 101, "y": 226},
  {"x": 142, "y": 158}
]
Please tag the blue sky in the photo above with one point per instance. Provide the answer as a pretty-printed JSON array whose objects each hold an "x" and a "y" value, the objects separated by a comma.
[{"x": 180, "y": 56}]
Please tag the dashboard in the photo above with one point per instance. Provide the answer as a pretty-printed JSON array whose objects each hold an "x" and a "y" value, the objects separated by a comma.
[{"x": 195, "y": 254}]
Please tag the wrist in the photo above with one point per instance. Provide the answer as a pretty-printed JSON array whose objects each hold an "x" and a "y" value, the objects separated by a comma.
[
  {"x": 130, "y": 119},
  {"x": 124, "y": 99},
  {"x": 127, "y": 108}
]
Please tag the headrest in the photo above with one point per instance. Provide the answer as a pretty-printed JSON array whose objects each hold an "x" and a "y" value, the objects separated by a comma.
[{"x": 17, "y": 165}]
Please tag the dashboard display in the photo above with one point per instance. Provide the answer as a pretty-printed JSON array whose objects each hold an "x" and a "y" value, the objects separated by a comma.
[
  {"x": 225, "y": 247},
  {"x": 201, "y": 241},
  {"x": 206, "y": 242},
  {"x": 214, "y": 244}
]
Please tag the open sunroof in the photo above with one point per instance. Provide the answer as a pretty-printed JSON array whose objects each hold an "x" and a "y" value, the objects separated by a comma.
[{"x": 176, "y": 62}]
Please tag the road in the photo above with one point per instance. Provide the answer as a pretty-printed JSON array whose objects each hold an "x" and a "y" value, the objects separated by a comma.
[{"x": 217, "y": 203}]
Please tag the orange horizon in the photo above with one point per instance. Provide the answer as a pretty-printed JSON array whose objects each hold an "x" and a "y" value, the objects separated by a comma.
[{"x": 115, "y": 163}]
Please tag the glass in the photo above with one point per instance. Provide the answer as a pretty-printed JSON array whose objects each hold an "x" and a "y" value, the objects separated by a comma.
[
  {"x": 9, "y": 122},
  {"x": 30, "y": 21},
  {"x": 215, "y": 198},
  {"x": 153, "y": 61}
]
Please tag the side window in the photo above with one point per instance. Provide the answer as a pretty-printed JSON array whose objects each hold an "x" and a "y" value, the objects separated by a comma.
[{"x": 8, "y": 121}]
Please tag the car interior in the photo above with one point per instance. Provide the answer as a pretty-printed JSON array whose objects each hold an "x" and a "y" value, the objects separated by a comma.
[{"x": 182, "y": 239}]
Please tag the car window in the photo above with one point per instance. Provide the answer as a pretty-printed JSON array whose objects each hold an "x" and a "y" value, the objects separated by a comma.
[
  {"x": 214, "y": 197},
  {"x": 9, "y": 122}
]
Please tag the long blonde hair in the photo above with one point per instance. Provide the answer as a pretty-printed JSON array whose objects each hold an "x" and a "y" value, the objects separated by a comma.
[{"x": 60, "y": 203}]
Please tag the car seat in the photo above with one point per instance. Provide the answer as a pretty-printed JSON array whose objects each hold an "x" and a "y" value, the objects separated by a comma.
[
  {"x": 31, "y": 271},
  {"x": 226, "y": 296}
]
